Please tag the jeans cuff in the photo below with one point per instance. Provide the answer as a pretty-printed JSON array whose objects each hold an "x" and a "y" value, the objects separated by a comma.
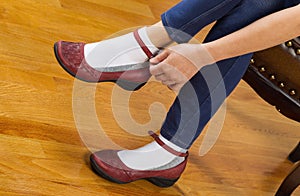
[
  {"x": 175, "y": 34},
  {"x": 170, "y": 137}
]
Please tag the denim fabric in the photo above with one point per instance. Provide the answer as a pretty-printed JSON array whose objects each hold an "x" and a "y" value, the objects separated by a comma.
[{"x": 201, "y": 97}]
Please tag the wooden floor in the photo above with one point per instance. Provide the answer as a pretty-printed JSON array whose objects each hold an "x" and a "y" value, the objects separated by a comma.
[{"x": 44, "y": 152}]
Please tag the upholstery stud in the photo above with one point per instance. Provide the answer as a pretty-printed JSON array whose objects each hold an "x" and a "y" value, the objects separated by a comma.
[
  {"x": 289, "y": 44},
  {"x": 292, "y": 92},
  {"x": 281, "y": 85},
  {"x": 272, "y": 77},
  {"x": 262, "y": 69}
]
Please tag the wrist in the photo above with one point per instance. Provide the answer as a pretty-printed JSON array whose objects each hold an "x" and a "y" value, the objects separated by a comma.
[{"x": 216, "y": 53}]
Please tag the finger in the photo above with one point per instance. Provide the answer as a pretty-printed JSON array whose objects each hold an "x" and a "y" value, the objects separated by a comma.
[
  {"x": 156, "y": 70},
  {"x": 160, "y": 77},
  {"x": 168, "y": 82},
  {"x": 171, "y": 86},
  {"x": 160, "y": 68},
  {"x": 175, "y": 87},
  {"x": 160, "y": 57}
]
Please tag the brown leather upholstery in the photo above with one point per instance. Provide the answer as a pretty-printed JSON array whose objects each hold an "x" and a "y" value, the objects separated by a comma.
[{"x": 274, "y": 74}]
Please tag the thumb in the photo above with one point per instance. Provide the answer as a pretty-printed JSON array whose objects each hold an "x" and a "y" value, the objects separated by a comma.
[{"x": 160, "y": 57}]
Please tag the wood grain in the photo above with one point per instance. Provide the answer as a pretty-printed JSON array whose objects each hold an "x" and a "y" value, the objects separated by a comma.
[{"x": 44, "y": 151}]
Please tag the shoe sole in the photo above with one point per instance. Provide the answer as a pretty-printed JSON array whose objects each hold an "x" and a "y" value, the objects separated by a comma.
[
  {"x": 125, "y": 84},
  {"x": 160, "y": 182}
]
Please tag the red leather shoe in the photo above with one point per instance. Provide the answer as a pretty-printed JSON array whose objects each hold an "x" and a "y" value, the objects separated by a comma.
[
  {"x": 70, "y": 56},
  {"x": 108, "y": 165}
]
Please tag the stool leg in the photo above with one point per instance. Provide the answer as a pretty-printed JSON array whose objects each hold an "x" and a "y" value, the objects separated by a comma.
[
  {"x": 295, "y": 154},
  {"x": 290, "y": 183}
]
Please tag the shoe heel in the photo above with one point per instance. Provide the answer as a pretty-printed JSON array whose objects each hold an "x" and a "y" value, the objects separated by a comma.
[
  {"x": 161, "y": 182},
  {"x": 130, "y": 86}
]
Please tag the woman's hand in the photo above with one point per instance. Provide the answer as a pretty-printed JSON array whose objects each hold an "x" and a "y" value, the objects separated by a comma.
[{"x": 178, "y": 64}]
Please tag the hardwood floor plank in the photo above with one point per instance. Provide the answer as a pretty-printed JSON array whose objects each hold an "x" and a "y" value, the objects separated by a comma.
[
  {"x": 44, "y": 149},
  {"x": 130, "y": 6}
]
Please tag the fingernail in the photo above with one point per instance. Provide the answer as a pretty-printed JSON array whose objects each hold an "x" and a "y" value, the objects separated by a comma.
[{"x": 153, "y": 61}]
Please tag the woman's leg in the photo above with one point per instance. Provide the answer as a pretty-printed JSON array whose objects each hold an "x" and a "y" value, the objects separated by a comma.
[
  {"x": 195, "y": 105},
  {"x": 192, "y": 108},
  {"x": 113, "y": 53},
  {"x": 189, "y": 22},
  {"x": 188, "y": 17},
  {"x": 123, "y": 59}
]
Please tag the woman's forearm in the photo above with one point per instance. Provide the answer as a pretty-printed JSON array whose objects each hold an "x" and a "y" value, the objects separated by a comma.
[{"x": 264, "y": 33}]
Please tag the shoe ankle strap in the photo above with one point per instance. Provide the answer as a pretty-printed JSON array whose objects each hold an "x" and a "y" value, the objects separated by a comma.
[
  {"x": 162, "y": 144},
  {"x": 142, "y": 44}
]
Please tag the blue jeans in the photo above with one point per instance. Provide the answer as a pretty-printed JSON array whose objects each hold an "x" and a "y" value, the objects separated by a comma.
[{"x": 201, "y": 97}]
